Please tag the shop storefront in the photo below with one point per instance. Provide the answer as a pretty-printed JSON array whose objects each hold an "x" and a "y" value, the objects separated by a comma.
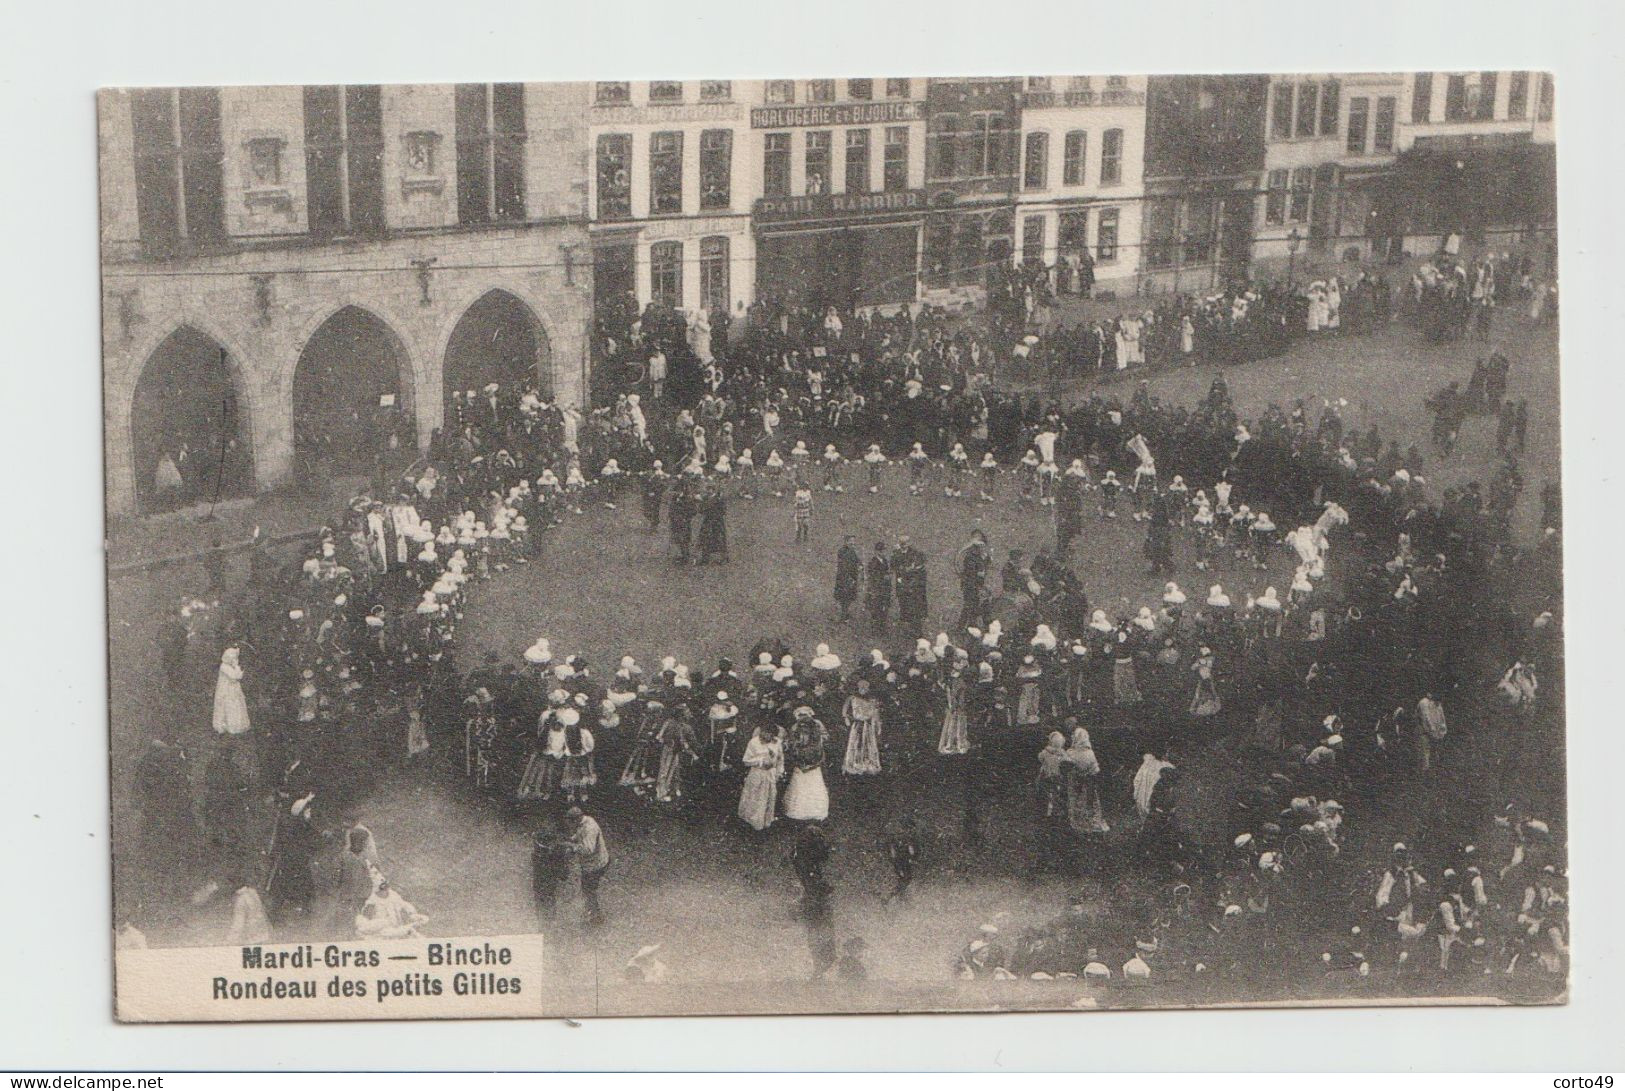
[{"x": 844, "y": 250}]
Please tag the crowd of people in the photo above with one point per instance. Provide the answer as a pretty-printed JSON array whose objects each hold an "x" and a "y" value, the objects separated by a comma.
[{"x": 1326, "y": 682}]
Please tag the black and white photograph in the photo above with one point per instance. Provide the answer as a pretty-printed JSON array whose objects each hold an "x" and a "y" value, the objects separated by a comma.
[{"x": 834, "y": 545}]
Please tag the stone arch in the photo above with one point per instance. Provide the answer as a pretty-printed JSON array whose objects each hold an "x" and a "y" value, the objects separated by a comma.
[
  {"x": 191, "y": 399},
  {"x": 353, "y": 396},
  {"x": 547, "y": 362}
]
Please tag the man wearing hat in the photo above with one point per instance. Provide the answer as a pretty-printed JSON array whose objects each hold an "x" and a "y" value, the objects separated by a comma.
[
  {"x": 878, "y": 589},
  {"x": 974, "y": 563},
  {"x": 848, "y": 576},
  {"x": 908, "y": 565}
]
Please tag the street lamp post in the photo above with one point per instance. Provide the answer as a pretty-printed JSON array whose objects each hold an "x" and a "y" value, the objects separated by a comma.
[{"x": 1293, "y": 241}]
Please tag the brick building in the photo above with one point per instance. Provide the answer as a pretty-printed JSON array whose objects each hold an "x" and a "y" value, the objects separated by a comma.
[{"x": 286, "y": 270}]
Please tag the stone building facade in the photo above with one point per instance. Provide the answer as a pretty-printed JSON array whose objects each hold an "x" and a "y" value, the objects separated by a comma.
[
  {"x": 1082, "y": 185},
  {"x": 285, "y": 248}
]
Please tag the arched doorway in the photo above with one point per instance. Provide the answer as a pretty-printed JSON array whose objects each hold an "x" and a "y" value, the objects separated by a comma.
[
  {"x": 188, "y": 435},
  {"x": 497, "y": 340},
  {"x": 352, "y": 414}
]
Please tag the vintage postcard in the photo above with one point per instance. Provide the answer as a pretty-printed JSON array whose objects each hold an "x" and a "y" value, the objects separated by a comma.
[{"x": 834, "y": 545}]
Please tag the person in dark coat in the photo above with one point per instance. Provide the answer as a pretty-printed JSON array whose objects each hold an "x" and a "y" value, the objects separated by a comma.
[
  {"x": 550, "y": 858},
  {"x": 903, "y": 849},
  {"x": 297, "y": 843},
  {"x": 878, "y": 589},
  {"x": 848, "y": 576},
  {"x": 819, "y": 916},
  {"x": 164, "y": 795},
  {"x": 654, "y": 494},
  {"x": 174, "y": 641},
  {"x": 808, "y": 858},
  {"x": 713, "y": 526},
  {"x": 1068, "y": 513},
  {"x": 1159, "y": 541},
  {"x": 908, "y": 565},
  {"x": 681, "y": 513},
  {"x": 974, "y": 563}
]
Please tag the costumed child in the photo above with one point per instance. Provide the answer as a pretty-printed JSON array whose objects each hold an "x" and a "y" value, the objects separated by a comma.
[
  {"x": 875, "y": 461},
  {"x": 1221, "y": 510},
  {"x": 1029, "y": 474},
  {"x": 1241, "y": 523},
  {"x": 1261, "y": 535},
  {"x": 1109, "y": 488},
  {"x": 775, "y": 471},
  {"x": 917, "y": 463},
  {"x": 611, "y": 477},
  {"x": 959, "y": 463},
  {"x": 1179, "y": 494},
  {"x": 1048, "y": 475},
  {"x": 832, "y": 469},
  {"x": 803, "y": 506},
  {"x": 1202, "y": 522},
  {"x": 745, "y": 470},
  {"x": 575, "y": 484},
  {"x": 990, "y": 475},
  {"x": 800, "y": 457}
]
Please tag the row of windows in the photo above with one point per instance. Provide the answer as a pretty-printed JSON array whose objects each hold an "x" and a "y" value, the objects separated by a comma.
[
  {"x": 1470, "y": 96},
  {"x": 817, "y": 165},
  {"x": 613, "y": 93},
  {"x": 180, "y": 192},
  {"x": 666, "y": 273},
  {"x": 1074, "y": 83},
  {"x": 978, "y": 145},
  {"x": 1304, "y": 110},
  {"x": 1074, "y": 159},
  {"x": 1382, "y": 135},
  {"x": 1179, "y": 232},
  {"x": 1289, "y": 197},
  {"x": 1072, "y": 236},
  {"x": 716, "y": 168}
]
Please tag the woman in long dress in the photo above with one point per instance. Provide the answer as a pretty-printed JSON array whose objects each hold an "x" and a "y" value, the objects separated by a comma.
[
  {"x": 764, "y": 758},
  {"x": 1205, "y": 701},
  {"x": 862, "y": 715},
  {"x": 955, "y": 737},
  {"x": 1125, "y": 682},
  {"x": 806, "y": 799},
  {"x": 230, "y": 707},
  {"x": 1029, "y": 676},
  {"x": 1083, "y": 809},
  {"x": 643, "y": 763},
  {"x": 699, "y": 335},
  {"x": 580, "y": 771},
  {"x": 545, "y": 763},
  {"x": 677, "y": 751}
]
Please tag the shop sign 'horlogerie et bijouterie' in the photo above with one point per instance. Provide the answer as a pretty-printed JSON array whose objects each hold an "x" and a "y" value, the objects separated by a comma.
[{"x": 843, "y": 113}]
